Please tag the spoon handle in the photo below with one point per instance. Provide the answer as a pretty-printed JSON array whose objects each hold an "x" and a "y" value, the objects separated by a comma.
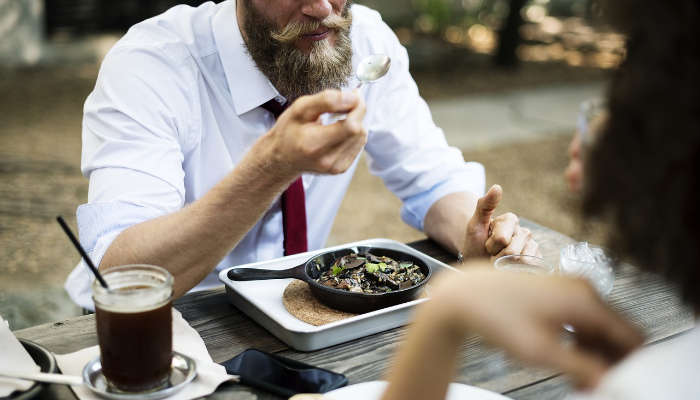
[
  {"x": 44, "y": 377},
  {"x": 331, "y": 118}
]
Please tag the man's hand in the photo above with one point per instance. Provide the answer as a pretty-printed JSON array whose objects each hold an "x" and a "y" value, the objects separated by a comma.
[
  {"x": 524, "y": 315},
  {"x": 496, "y": 237},
  {"x": 298, "y": 142}
]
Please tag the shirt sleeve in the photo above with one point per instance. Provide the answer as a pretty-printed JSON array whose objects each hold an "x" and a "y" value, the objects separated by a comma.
[
  {"x": 139, "y": 117},
  {"x": 137, "y": 126},
  {"x": 405, "y": 148}
]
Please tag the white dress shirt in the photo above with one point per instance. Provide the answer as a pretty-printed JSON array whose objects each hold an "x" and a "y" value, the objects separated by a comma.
[{"x": 177, "y": 105}]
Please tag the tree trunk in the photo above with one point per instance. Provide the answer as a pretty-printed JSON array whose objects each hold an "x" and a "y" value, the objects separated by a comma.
[{"x": 509, "y": 36}]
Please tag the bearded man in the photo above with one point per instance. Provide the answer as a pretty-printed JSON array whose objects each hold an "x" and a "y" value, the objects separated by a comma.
[{"x": 205, "y": 148}]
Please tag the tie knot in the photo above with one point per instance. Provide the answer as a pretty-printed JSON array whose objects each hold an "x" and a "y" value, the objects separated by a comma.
[{"x": 274, "y": 107}]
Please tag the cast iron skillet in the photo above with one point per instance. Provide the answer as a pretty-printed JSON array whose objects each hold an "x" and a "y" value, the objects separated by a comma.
[{"x": 337, "y": 298}]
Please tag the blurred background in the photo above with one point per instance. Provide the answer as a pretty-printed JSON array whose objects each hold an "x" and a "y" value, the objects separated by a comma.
[{"x": 504, "y": 79}]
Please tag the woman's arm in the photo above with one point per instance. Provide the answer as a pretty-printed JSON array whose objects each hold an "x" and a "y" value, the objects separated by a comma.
[{"x": 521, "y": 313}]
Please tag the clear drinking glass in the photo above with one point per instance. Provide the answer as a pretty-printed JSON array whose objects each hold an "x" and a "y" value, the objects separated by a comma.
[
  {"x": 590, "y": 262},
  {"x": 134, "y": 327},
  {"x": 523, "y": 263}
]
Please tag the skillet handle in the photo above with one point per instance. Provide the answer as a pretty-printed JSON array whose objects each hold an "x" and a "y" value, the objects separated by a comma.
[{"x": 254, "y": 274}]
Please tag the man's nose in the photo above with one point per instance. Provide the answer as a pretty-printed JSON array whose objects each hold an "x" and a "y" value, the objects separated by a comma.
[{"x": 317, "y": 9}]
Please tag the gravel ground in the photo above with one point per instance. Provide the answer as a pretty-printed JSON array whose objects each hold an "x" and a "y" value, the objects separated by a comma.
[{"x": 40, "y": 178}]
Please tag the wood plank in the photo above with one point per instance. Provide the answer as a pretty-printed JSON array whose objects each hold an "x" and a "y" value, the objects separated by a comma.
[
  {"x": 225, "y": 330},
  {"x": 489, "y": 368},
  {"x": 370, "y": 358},
  {"x": 650, "y": 303},
  {"x": 63, "y": 336},
  {"x": 230, "y": 391},
  {"x": 361, "y": 360},
  {"x": 554, "y": 388}
]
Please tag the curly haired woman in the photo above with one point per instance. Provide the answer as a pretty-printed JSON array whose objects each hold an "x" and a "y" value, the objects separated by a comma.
[{"x": 643, "y": 177}]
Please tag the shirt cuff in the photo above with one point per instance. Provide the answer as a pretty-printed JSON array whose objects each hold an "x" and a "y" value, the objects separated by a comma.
[
  {"x": 98, "y": 225},
  {"x": 79, "y": 282},
  {"x": 472, "y": 179}
]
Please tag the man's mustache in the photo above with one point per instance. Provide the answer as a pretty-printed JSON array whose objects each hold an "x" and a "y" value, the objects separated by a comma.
[{"x": 294, "y": 30}]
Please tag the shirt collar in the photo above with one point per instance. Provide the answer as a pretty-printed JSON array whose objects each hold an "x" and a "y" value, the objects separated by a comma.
[{"x": 249, "y": 87}]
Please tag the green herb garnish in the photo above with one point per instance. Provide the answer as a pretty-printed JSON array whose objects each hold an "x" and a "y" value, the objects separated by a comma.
[
  {"x": 372, "y": 268},
  {"x": 336, "y": 270}
]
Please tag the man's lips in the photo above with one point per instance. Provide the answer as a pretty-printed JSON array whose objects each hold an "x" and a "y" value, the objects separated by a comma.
[{"x": 318, "y": 34}]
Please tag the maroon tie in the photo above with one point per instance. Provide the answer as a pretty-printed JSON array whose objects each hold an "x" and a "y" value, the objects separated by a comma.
[{"x": 293, "y": 204}]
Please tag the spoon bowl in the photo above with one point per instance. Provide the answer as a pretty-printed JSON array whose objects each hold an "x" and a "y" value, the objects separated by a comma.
[
  {"x": 372, "y": 67},
  {"x": 369, "y": 70}
]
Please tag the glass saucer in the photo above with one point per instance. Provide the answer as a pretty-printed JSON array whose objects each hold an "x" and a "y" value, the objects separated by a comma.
[{"x": 183, "y": 371}]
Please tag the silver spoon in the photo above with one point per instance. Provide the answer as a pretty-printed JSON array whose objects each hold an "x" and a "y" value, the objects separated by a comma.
[
  {"x": 369, "y": 70},
  {"x": 44, "y": 377}
]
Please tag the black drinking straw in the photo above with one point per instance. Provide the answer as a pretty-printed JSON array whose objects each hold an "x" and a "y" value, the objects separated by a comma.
[{"x": 82, "y": 252}]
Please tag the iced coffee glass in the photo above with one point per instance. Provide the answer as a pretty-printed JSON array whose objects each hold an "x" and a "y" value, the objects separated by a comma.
[{"x": 134, "y": 327}]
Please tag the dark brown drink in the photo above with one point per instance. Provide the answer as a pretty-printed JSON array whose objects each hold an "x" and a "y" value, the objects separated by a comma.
[
  {"x": 134, "y": 327},
  {"x": 136, "y": 348}
]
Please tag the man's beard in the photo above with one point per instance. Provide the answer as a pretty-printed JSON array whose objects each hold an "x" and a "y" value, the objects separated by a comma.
[{"x": 290, "y": 70}]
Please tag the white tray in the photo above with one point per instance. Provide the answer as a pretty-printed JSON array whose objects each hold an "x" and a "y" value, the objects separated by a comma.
[{"x": 262, "y": 301}]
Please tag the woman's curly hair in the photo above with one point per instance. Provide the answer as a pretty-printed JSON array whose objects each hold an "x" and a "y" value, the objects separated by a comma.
[{"x": 644, "y": 171}]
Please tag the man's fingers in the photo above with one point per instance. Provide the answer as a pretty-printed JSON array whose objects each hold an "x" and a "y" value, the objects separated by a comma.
[
  {"x": 517, "y": 243},
  {"x": 487, "y": 204},
  {"x": 335, "y": 133},
  {"x": 321, "y": 139},
  {"x": 309, "y": 108},
  {"x": 339, "y": 158},
  {"x": 346, "y": 139},
  {"x": 357, "y": 114},
  {"x": 503, "y": 228},
  {"x": 531, "y": 248}
]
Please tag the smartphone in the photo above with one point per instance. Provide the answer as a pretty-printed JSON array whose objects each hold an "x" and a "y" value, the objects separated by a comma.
[{"x": 281, "y": 375}]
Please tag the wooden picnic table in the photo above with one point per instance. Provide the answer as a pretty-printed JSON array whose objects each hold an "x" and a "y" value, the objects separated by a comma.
[{"x": 226, "y": 331}]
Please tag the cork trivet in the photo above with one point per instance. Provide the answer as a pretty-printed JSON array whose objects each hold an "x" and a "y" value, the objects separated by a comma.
[{"x": 301, "y": 303}]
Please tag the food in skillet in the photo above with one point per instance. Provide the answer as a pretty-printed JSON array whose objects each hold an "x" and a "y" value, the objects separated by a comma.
[{"x": 367, "y": 273}]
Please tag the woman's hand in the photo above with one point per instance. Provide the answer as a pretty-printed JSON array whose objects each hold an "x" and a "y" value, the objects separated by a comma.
[
  {"x": 520, "y": 313},
  {"x": 524, "y": 314}
]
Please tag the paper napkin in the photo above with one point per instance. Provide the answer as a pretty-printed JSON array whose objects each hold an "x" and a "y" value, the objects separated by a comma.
[
  {"x": 13, "y": 358},
  {"x": 186, "y": 340}
]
